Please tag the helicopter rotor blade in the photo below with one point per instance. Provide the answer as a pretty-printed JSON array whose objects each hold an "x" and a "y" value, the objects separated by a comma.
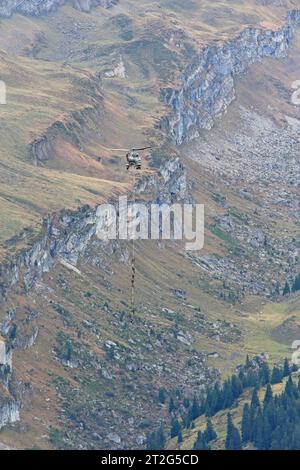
[
  {"x": 127, "y": 149},
  {"x": 143, "y": 148}
]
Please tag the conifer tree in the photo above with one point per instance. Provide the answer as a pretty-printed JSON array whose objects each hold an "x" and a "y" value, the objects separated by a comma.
[
  {"x": 268, "y": 395},
  {"x": 209, "y": 433},
  {"x": 228, "y": 396},
  {"x": 186, "y": 403},
  {"x": 175, "y": 427},
  {"x": 267, "y": 432},
  {"x": 236, "y": 386},
  {"x": 276, "y": 375},
  {"x": 289, "y": 387},
  {"x": 171, "y": 405},
  {"x": 156, "y": 440},
  {"x": 229, "y": 432},
  {"x": 248, "y": 362},
  {"x": 195, "y": 409},
  {"x": 265, "y": 374},
  {"x": 286, "y": 368},
  {"x": 162, "y": 395},
  {"x": 246, "y": 424},
  {"x": 201, "y": 443},
  {"x": 161, "y": 440},
  {"x": 286, "y": 289},
  {"x": 296, "y": 283},
  {"x": 236, "y": 441},
  {"x": 233, "y": 437},
  {"x": 258, "y": 431},
  {"x": 276, "y": 440},
  {"x": 255, "y": 400}
]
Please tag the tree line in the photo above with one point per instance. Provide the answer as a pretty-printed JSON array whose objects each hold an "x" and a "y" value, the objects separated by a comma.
[
  {"x": 274, "y": 423},
  {"x": 295, "y": 287},
  {"x": 254, "y": 374}
]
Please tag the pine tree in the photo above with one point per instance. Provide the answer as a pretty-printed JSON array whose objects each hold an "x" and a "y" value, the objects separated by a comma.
[
  {"x": 229, "y": 432},
  {"x": 161, "y": 440},
  {"x": 243, "y": 378},
  {"x": 255, "y": 400},
  {"x": 248, "y": 362},
  {"x": 296, "y": 283},
  {"x": 208, "y": 411},
  {"x": 186, "y": 403},
  {"x": 228, "y": 396},
  {"x": 267, "y": 432},
  {"x": 252, "y": 379},
  {"x": 180, "y": 438},
  {"x": 276, "y": 376},
  {"x": 156, "y": 440},
  {"x": 268, "y": 395},
  {"x": 150, "y": 443},
  {"x": 175, "y": 427},
  {"x": 220, "y": 400},
  {"x": 277, "y": 289},
  {"x": 162, "y": 396},
  {"x": 286, "y": 289},
  {"x": 233, "y": 437},
  {"x": 209, "y": 433},
  {"x": 171, "y": 405},
  {"x": 286, "y": 368},
  {"x": 270, "y": 412},
  {"x": 246, "y": 424},
  {"x": 195, "y": 409},
  {"x": 201, "y": 443},
  {"x": 258, "y": 437},
  {"x": 236, "y": 386},
  {"x": 187, "y": 420},
  {"x": 236, "y": 440},
  {"x": 265, "y": 373},
  {"x": 276, "y": 440},
  {"x": 253, "y": 414},
  {"x": 290, "y": 389}
]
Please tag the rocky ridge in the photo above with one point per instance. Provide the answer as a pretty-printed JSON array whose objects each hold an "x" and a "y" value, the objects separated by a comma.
[
  {"x": 41, "y": 7},
  {"x": 208, "y": 83},
  {"x": 9, "y": 404},
  {"x": 67, "y": 235}
]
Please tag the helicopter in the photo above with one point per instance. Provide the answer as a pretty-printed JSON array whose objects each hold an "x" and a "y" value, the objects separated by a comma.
[{"x": 133, "y": 159}]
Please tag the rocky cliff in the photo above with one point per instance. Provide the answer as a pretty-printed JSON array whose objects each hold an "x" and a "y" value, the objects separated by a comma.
[
  {"x": 9, "y": 411},
  {"x": 208, "y": 83},
  {"x": 41, "y": 7},
  {"x": 9, "y": 406},
  {"x": 67, "y": 235}
]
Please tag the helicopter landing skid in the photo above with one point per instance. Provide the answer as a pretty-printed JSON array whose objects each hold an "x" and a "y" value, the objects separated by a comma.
[{"x": 137, "y": 167}]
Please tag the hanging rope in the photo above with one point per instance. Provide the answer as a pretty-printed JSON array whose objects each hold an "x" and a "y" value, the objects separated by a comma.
[
  {"x": 133, "y": 279},
  {"x": 133, "y": 263},
  {"x": 133, "y": 268}
]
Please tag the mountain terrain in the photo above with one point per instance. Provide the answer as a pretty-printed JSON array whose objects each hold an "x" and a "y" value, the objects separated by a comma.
[{"x": 208, "y": 85}]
